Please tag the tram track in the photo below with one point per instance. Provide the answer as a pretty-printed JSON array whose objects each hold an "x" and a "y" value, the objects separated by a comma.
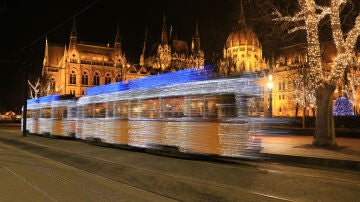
[
  {"x": 52, "y": 173},
  {"x": 354, "y": 182},
  {"x": 18, "y": 176},
  {"x": 188, "y": 186}
]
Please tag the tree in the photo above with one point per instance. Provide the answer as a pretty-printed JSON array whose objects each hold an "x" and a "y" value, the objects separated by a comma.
[
  {"x": 352, "y": 81},
  {"x": 34, "y": 89},
  {"x": 42, "y": 87},
  {"x": 323, "y": 81},
  {"x": 343, "y": 107},
  {"x": 304, "y": 95}
]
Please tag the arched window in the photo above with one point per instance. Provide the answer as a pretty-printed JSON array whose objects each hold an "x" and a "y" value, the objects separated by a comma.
[
  {"x": 118, "y": 77},
  {"x": 96, "y": 79},
  {"x": 107, "y": 78},
  {"x": 73, "y": 77},
  {"x": 85, "y": 78}
]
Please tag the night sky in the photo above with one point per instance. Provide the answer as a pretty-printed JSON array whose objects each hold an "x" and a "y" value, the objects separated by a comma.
[{"x": 24, "y": 25}]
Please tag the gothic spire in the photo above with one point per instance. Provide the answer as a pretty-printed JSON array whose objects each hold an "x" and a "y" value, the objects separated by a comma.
[
  {"x": 164, "y": 37},
  {"x": 195, "y": 44},
  {"x": 197, "y": 29},
  {"x": 145, "y": 38},
  {"x": 73, "y": 30},
  {"x": 242, "y": 15},
  {"x": 73, "y": 36},
  {"x": 142, "y": 56},
  {"x": 46, "y": 57},
  {"x": 117, "y": 38}
]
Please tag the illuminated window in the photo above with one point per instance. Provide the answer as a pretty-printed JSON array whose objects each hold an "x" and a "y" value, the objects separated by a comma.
[
  {"x": 96, "y": 79},
  {"x": 107, "y": 78},
  {"x": 99, "y": 110},
  {"x": 72, "y": 77},
  {"x": 85, "y": 78}
]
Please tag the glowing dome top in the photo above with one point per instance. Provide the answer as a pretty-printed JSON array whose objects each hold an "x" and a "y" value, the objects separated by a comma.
[{"x": 242, "y": 36}]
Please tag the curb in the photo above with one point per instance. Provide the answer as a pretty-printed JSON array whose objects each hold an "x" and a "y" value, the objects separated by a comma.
[{"x": 314, "y": 161}]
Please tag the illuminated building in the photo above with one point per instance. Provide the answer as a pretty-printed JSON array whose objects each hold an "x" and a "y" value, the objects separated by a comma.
[
  {"x": 74, "y": 67},
  {"x": 289, "y": 68},
  {"x": 242, "y": 55},
  {"x": 171, "y": 54},
  {"x": 242, "y": 51}
]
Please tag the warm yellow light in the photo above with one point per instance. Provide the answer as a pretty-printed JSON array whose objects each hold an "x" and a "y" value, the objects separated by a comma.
[
  {"x": 270, "y": 78},
  {"x": 270, "y": 84}
]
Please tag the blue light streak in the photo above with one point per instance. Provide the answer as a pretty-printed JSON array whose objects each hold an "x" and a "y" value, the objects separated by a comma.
[
  {"x": 33, "y": 101},
  {"x": 181, "y": 76},
  {"x": 49, "y": 98}
]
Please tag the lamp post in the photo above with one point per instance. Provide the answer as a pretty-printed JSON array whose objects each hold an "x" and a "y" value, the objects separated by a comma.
[
  {"x": 24, "y": 114},
  {"x": 270, "y": 86}
]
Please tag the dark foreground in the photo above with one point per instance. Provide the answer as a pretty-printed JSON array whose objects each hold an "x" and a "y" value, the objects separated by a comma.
[{"x": 45, "y": 169}]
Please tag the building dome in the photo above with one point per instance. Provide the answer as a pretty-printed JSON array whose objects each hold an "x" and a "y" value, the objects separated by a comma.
[{"x": 242, "y": 36}]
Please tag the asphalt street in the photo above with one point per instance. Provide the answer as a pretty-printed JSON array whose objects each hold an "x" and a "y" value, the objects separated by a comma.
[{"x": 45, "y": 169}]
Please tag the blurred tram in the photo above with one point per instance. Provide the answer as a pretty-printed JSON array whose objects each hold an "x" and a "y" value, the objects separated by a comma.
[
  {"x": 187, "y": 109},
  {"x": 32, "y": 114},
  {"x": 51, "y": 115}
]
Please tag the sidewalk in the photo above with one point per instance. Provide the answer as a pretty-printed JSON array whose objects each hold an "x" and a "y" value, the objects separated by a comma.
[{"x": 298, "y": 149}]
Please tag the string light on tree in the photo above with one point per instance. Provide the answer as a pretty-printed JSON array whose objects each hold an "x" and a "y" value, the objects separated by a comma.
[
  {"x": 343, "y": 107},
  {"x": 310, "y": 15}
]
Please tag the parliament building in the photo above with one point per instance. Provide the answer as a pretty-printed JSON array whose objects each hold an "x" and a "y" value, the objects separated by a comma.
[{"x": 74, "y": 67}]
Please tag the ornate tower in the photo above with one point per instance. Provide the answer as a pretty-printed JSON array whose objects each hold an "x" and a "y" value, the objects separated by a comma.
[
  {"x": 164, "y": 50},
  {"x": 242, "y": 50},
  {"x": 197, "y": 53},
  {"x": 142, "y": 56},
  {"x": 73, "y": 36},
  {"x": 46, "y": 58},
  {"x": 164, "y": 34},
  {"x": 117, "y": 44},
  {"x": 195, "y": 43},
  {"x": 119, "y": 57}
]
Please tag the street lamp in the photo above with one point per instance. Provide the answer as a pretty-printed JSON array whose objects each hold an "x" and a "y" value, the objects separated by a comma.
[{"x": 270, "y": 86}]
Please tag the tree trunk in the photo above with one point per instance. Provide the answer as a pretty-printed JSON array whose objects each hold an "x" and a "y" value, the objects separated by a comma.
[
  {"x": 324, "y": 125},
  {"x": 296, "y": 110},
  {"x": 303, "y": 117},
  {"x": 313, "y": 111}
]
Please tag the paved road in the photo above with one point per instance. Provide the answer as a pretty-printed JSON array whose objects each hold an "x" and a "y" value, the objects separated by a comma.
[
  {"x": 44, "y": 169},
  {"x": 26, "y": 176}
]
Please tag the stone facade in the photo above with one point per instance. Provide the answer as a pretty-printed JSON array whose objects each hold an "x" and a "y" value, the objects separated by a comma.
[
  {"x": 73, "y": 68},
  {"x": 172, "y": 54}
]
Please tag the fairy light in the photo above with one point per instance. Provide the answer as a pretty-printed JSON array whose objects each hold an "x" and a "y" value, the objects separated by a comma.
[
  {"x": 182, "y": 76},
  {"x": 344, "y": 46},
  {"x": 183, "y": 132},
  {"x": 166, "y": 112},
  {"x": 51, "y": 115},
  {"x": 31, "y": 121},
  {"x": 63, "y": 117},
  {"x": 311, "y": 14}
]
